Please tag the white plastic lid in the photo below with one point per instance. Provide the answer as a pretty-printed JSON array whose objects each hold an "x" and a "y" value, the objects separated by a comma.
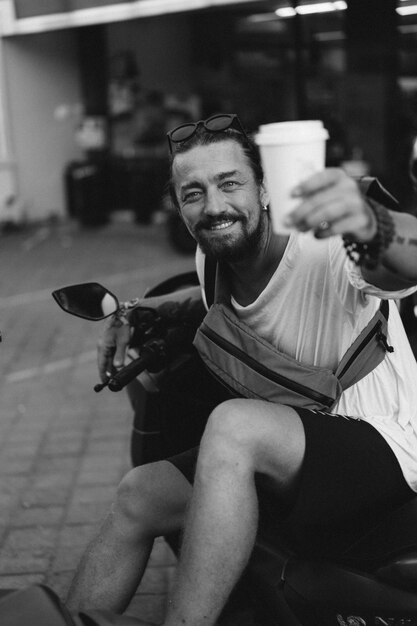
[{"x": 291, "y": 132}]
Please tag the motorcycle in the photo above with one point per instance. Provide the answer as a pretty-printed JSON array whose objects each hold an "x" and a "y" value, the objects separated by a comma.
[{"x": 374, "y": 582}]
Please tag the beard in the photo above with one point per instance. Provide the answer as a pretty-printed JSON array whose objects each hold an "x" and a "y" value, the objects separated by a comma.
[{"x": 231, "y": 247}]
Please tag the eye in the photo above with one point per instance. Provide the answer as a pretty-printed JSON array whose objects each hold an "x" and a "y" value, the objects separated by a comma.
[
  {"x": 192, "y": 196},
  {"x": 228, "y": 185}
]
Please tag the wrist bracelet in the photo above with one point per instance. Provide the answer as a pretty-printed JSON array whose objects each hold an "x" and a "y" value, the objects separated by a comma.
[{"x": 368, "y": 253}]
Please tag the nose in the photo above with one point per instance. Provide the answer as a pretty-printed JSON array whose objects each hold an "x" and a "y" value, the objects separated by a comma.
[{"x": 214, "y": 202}]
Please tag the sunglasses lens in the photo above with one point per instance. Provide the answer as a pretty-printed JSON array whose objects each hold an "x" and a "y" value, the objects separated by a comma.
[
  {"x": 221, "y": 122},
  {"x": 182, "y": 133},
  {"x": 214, "y": 124}
]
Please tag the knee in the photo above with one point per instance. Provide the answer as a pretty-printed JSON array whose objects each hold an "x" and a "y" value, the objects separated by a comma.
[
  {"x": 228, "y": 433},
  {"x": 137, "y": 502},
  {"x": 230, "y": 420}
]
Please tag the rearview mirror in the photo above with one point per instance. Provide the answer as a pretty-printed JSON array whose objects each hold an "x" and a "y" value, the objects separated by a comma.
[{"x": 91, "y": 301}]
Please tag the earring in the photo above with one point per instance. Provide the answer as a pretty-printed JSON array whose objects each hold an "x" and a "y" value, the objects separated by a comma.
[{"x": 264, "y": 207}]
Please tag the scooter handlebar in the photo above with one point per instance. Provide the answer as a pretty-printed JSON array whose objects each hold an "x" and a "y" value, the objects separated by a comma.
[{"x": 153, "y": 357}]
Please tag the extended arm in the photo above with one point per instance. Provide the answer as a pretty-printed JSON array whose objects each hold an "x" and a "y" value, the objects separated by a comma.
[{"x": 333, "y": 200}]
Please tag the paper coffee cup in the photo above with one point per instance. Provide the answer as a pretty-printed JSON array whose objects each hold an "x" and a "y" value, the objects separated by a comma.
[{"x": 290, "y": 153}]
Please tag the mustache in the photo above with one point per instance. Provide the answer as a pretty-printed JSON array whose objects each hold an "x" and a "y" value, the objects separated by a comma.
[{"x": 210, "y": 220}]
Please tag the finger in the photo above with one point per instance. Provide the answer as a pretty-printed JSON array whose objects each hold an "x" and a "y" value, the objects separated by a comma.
[
  {"x": 312, "y": 214},
  {"x": 104, "y": 361},
  {"x": 104, "y": 371},
  {"x": 329, "y": 204},
  {"x": 319, "y": 181},
  {"x": 350, "y": 225},
  {"x": 123, "y": 338},
  {"x": 105, "y": 368}
]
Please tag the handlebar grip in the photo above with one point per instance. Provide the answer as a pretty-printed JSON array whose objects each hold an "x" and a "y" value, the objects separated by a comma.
[
  {"x": 153, "y": 355},
  {"x": 128, "y": 373}
]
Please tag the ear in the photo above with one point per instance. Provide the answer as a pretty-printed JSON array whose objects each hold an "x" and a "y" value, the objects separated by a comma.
[{"x": 263, "y": 194}]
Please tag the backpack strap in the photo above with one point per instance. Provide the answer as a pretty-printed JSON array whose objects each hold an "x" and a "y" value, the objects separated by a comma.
[
  {"x": 367, "y": 351},
  {"x": 210, "y": 269}
]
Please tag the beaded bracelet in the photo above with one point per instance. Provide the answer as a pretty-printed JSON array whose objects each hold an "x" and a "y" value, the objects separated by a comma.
[{"x": 368, "y": 253}]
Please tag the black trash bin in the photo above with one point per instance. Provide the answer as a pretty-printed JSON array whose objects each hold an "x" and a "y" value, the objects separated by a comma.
[{"x": 87, "y": 197}]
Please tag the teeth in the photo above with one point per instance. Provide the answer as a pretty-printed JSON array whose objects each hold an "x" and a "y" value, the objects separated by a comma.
[{"x": 222, "y": 225}]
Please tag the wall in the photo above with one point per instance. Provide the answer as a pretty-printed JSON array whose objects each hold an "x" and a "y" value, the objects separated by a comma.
[
  {"x": 162, "y": 49},
  {"x": 42, "y": 82},
  {"x": 7, "y": 166},
  {"x": 43, "y": 90}
]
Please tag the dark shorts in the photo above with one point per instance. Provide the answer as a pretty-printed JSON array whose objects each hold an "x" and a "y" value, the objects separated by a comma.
[{"x": 349, "y": 481}]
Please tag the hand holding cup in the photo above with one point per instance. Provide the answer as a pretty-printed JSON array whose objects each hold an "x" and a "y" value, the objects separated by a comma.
[{"x": 290, "y": 153}]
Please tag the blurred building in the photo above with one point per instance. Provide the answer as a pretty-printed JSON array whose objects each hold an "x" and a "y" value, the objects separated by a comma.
[{"x": 75, "y": 73}]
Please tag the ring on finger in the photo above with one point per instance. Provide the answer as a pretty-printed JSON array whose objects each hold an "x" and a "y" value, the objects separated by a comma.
[{"x": 324, "y": 225}]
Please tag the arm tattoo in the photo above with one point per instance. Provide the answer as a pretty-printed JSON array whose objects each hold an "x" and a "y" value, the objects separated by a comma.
[{"x": 405, "y": 240}]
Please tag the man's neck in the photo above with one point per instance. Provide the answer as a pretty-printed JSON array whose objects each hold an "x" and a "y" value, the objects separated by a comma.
[{"x": 249, "y": 277}]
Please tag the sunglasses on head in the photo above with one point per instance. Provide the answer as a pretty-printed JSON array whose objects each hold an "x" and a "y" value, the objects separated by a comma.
[{"x": 213, "y": 124}]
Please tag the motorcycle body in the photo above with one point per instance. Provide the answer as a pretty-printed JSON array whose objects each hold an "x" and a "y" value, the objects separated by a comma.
[{"x": 373, "y": 583}]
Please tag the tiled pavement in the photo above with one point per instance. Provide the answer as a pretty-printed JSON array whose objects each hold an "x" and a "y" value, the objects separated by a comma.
[{"x": 63, "y": 448}]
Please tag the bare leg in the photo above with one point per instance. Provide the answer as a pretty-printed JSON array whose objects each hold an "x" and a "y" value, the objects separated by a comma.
[
  {"x": 151, "y": 501},
  {"x": 242, "y": 437}
]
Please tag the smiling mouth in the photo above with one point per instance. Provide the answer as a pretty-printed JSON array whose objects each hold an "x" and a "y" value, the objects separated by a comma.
[{"x": 221, "y": 225}]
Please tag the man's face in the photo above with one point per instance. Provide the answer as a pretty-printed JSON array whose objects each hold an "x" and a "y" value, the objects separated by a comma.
[{"x": 220, "y": 200}]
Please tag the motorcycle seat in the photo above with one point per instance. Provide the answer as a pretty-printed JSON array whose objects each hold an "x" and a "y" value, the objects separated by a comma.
[{"x": 389, "y": 550}]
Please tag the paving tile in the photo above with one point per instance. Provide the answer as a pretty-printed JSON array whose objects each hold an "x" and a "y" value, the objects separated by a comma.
[
  {"x": 31, "y": 538},
  {"x": 7, "y": 500},
  {"x": 23, "y": 562},
  {"x": 12, "y": 466},
  {"x": 35, "y": 551},
  {"x": 19, "y": 449},
  {"x": 108, "y": 445},
  {"x": 71, "y": 447},
  {"x": 77, "y": 535},
  {"x": 20, "y": 581},
  {"x": 101, "y": 462},
  {"x": 46, "y": 496},
  {"x": 93, "y": 493},
  {"x": 66, "y": 435},
  {"x": 5, "y": 515},
  {"x": 52, "y": 465},
  {"x": 110, "y": 476},
  {"x": 67, "y": 558},
  {"x": 13, "y": 484},
  {"x": 51, "y": 481},
  {"x": 86, "y": 512},
  {"x": 38, "y": 516}
]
